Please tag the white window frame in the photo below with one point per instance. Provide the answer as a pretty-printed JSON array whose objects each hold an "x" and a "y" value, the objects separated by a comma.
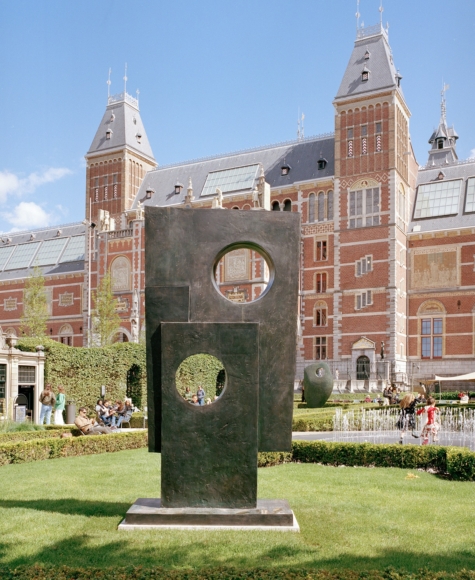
[
  {"x": 364, "y": 266},
  {"x": 363, "y": 299},
  {"x": 358, "y": 203}
]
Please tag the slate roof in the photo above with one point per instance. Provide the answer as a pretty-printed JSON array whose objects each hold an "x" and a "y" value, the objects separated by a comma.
[
  {"x": 302, "y": 156},
  {"x": 122, "y": 118},
  {"x": 380, "y": 64},
  {"x": 458, "y": 170},
  {"x": 32, "y": 241}
]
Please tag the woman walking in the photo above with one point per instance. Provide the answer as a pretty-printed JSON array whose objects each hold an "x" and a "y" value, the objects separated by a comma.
[
  {"x": 59, "y": 406},
  {"x": 407, "y": 419}
]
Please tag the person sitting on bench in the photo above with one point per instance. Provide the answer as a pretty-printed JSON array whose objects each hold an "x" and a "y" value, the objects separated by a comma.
[{"x": 90, "y": 426}]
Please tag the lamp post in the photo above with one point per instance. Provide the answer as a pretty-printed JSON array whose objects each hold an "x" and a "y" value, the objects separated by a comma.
[{"x": 90, "y": 225}]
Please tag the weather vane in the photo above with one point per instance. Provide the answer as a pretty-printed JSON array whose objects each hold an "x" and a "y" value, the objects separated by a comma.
[
  {"x": 109, "y": 85},
  {"x": 125, "y": 79}
]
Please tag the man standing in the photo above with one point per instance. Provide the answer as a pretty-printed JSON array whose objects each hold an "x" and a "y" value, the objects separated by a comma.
[
  {"x": 89, "y": 426},
  {"x": 47, "y": 400},
  {"x": 201, "y": 395}
]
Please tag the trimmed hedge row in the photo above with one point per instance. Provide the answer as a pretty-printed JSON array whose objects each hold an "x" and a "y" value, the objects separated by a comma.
[
  {"x": 457, "y": 462},
  {"x": 52, "y": 448},
  {"x": 16, "y": 436},
  {"x": 138, "y": 573}
]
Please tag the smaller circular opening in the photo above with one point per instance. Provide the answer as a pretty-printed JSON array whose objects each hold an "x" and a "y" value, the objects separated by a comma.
[
  {"x": 201, "y": 379},
  {"x": 243, "y": 273}
]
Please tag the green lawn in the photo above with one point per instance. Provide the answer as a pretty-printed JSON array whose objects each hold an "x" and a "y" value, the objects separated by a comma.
[{"x": 66, "y": 511}]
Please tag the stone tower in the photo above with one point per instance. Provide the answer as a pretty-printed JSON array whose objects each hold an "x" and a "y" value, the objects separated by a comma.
[
  {"x": 375, "y": 174},
  {"x": 118, "y": 159}
]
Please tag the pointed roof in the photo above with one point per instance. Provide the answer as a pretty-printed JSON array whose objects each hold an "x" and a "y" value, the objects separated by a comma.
[
  {"x": 121, "y": 127},
  {"x": 443, "y": 139},
  {"x": 371, "y": 54}
]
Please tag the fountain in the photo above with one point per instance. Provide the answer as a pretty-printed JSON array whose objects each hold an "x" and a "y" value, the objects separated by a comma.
[{"x": 379, "y": 426}]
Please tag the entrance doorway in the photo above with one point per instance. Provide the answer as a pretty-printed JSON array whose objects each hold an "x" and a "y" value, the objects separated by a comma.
[
  {"x": 363, "y": 368},
  {"x": 28, "y": 392}
]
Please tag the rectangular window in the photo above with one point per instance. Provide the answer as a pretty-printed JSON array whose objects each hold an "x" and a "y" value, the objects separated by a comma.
[
  {"x": 378, "y": 127},
  {"x": 96, "y": 182},
  {"x": 431, "y": 339},
  {"x": 320, "y": 347},
  {"x": 364, "y": 207},
  {"x": 321, "y": 317},
  {"x": 364, "y": 265},
  {"x": 364, "y": 299},
  {"x": 350, "y": 133},
  {"x": 364, "y": 130},
  {"x": 26, "y": 375},
  {"x": 320, "y": 250},
  {"x": 321, "y": 283}
]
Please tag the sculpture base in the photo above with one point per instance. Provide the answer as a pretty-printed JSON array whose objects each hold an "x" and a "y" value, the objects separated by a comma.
[{"x": 269, "y": 514}]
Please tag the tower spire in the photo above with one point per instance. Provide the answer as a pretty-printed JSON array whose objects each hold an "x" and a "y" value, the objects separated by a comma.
[
  {"x": 443, "y": 106},
  {"x": 381, "y": 10},
  {"x": 125, "y": 80},
  {"x": 357, "y": 15},
  {"x": 109, "y": 85}
]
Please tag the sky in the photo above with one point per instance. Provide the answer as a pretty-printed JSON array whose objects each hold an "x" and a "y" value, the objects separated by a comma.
[{"x": 214, "y": 76}]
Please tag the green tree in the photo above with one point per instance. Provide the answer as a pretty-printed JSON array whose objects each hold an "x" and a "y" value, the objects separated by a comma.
[
  {"x": 35, "y": 306},
  {"x": 105, "y": 320}
]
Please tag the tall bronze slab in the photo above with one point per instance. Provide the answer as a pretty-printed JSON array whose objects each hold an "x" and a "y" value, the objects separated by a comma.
[
  {"x": 210, "y": 459},
  {"x": 181, "y": 248}
]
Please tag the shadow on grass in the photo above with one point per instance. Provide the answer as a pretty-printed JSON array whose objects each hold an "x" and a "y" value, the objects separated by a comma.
[
  {"x": 70, "y": 507},
  {"x": 81, "y": 551}
]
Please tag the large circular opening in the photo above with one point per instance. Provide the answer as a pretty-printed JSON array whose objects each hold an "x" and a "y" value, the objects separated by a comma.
[
  {"x": 201, "y": 379},
  {"x": 243, "y": 273}
]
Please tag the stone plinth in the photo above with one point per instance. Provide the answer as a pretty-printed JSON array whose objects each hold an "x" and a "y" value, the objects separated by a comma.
[{"x": 148, "y": 513}]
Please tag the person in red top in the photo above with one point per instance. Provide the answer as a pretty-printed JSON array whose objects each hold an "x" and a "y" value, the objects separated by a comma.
[{"x": 432, "y": 426}]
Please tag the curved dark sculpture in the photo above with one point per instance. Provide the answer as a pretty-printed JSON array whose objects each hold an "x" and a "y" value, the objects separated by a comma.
[{"x": 318, "y": 384}]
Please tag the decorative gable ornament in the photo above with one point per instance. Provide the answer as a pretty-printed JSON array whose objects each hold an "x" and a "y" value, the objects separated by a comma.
[{"x": 363, "y": 344}]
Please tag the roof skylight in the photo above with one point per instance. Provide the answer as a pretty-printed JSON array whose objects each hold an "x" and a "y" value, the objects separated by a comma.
[
  {"x": 74, "y": 250},
  {"x": 22, "y": 256},
  {"x": 437, "y": 199},
  {"x": 50, "y": 251},
  {"x": 470, "y": 199},
  {"x": 236, "y": 179}
]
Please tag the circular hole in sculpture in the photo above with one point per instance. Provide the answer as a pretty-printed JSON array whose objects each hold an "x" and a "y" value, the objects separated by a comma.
[
  {"x": 201, "y": 379},
  {"x": 242, "y": 274}
]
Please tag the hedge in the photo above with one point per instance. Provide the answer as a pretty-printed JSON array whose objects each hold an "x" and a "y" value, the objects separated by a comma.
[
  {"x": 39, "y": 572},
  {"x": 52, "y": 448},
  {"x": 16, "y": 436},
  {"x": 120, "y": 367}
]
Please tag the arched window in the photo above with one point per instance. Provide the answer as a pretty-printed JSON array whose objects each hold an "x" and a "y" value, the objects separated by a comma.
[
  {"x": 246, "y": 207},
  {"x": 235, "y": 207},
  {"x": 363, "y": 368},
  {"x": 66, "y": 334},
  {"x": 275, "y": 206},
  {"x": 320, "y": 313},
  {"x": 321, "y": 206},
  {"x": 330, "y": 205},
  {"x": 287, "y": 205},
  {"x": 120, "y": 274},
  {"x": 311, "y": 208}
]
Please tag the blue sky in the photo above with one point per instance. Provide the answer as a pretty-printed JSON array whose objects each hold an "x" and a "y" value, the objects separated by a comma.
[{"x": 214, "y": 76}]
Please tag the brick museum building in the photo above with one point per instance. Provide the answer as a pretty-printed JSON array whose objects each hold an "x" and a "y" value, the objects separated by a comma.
[{"x": 387, "y": 263}]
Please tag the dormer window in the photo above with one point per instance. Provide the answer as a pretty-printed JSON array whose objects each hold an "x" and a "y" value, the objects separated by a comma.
[
  {"x": 139, "y": 137},
  {"x": 365, "y": 74},
  {"x": 178, "y": 188},
  {"x": 321, "y": 163},
  {"x": 440, "y": 143},
  {"x": 398, "y": 78},
  {"x": 108, "y": 133},
  {"x": 441, "y": 176},
  {"x": 367, "y": 54},
  {"x": 284, "y": 170},
  {"x": 149, "y": 192}
]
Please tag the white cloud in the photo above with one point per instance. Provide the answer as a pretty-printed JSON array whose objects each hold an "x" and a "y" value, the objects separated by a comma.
[
  {"x": 12, "y": 184},
  {"x": 28, "y": 215},
  {"x": 472, "y": 153}
]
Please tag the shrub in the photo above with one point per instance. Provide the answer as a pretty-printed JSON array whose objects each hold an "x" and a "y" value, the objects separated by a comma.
[
  {"x": 461, "y": 464},
  {"x": 120, "y": 367},
  {"x": 270, "y": 458},
  {"x": 30, "y": 435},
  {"x": 39, "y": 449}
]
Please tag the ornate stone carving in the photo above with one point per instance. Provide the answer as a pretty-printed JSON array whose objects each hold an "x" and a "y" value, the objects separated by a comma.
[{"x": 363, "y": 343}]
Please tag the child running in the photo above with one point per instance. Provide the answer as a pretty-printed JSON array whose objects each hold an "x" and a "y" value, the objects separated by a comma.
[{"x": 431, "y": 427}]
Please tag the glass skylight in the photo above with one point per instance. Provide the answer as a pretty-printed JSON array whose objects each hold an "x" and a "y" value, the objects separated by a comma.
[
  {"x": 49, "y": 252},
  {"x": 236, "y": 179},
  {"x": 22, "y": 256},
  {"x": 470, "y": 199},
  {"x": 74, "y": 250},
  {"x": 5, "y": 253},
  {"x": 436, "y": 199}
]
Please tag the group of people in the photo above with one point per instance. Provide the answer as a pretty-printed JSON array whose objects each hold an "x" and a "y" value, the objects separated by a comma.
[
  {"x": 109, "y": 417},
  {"x": 50, "y": 401},
  {"x": 407, "y": 418},
  {"x": 114, "y": 414},
  {"x": 198, "y": 398}
]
